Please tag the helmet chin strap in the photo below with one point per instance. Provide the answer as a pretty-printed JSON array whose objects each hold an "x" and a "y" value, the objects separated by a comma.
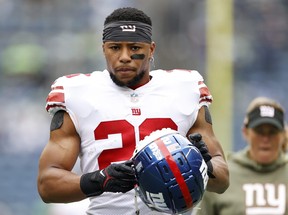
[{"x": 137, "y": 211}]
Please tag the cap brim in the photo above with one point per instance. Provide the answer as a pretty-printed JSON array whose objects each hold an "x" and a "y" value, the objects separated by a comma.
[{"x": 260, "y": 121}]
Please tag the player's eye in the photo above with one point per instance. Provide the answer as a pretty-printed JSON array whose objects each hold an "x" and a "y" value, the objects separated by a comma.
[
  {"x": 135, "y": 48},
  {"x": 114, "y": 47}
]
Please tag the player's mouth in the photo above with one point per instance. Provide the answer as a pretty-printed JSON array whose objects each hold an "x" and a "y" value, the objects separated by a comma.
[
  {"x": 125, "y": 69},
  {"x": 125, "y": 73}
]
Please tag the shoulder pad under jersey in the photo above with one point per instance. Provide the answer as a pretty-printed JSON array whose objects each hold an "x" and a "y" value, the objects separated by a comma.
[{"x": 56, "y": 98}]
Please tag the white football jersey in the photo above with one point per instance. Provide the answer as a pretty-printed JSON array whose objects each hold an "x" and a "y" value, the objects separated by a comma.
[{"x": 111, "y": 120}]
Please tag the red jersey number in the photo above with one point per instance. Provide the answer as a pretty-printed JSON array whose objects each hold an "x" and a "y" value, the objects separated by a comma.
[{"x": 127, "y": 132}]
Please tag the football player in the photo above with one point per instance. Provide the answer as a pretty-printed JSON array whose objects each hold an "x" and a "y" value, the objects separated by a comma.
[{"x": 100, "y": 117}]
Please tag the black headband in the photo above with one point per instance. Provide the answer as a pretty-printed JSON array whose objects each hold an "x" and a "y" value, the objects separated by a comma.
[{"x": 131, "y": 31}]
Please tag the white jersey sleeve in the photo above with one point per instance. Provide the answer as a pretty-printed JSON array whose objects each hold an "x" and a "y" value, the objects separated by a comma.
[
  {"x": 205, "y": 97},
  {"x": 195, "y": 80},
  {"x": 56, "y": 99}
]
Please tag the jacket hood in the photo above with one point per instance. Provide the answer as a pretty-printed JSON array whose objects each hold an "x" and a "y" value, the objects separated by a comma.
[{"x": 242, "y": 158}]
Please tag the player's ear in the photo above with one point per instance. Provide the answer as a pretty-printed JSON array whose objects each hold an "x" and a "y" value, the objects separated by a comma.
[{"x": 152, "y": 49}]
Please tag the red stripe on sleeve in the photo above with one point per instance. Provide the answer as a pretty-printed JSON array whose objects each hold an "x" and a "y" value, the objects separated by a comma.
[
  {"x": 205, "y": 95},
  {"x": 56, "y": 97},
  {"x": 48, "y": 107},
  {"x": 204, "y": 91},
  {"x": 176, "y": 172},
  {"x": 58, "y": 88}
]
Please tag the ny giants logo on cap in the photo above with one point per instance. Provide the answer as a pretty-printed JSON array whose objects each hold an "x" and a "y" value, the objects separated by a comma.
[
  {"x": 267, "y": 111},
  {"x": 130, "y": 28}
]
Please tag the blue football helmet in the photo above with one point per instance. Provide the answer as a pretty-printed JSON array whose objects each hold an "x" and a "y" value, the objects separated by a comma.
[{"x": 171, "y": 172}]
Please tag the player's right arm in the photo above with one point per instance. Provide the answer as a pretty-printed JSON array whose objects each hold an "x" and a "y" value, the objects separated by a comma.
[{"x": 56, "y": 182}]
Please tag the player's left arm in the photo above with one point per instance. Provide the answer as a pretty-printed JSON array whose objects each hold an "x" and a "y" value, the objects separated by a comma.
[{"x": 219, "y": 182}]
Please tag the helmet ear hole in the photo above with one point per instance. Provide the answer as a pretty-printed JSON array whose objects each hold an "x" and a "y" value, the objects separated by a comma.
[
  {"x": 165, "y": 169},
  {"x": 180, "y": 162},
  {"x": 171, "y": 173}
]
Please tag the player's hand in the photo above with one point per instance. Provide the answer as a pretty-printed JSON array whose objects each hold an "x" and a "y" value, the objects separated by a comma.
[
  {"x": 114, "y": 178},
  {"x": 196, "y": 140}
]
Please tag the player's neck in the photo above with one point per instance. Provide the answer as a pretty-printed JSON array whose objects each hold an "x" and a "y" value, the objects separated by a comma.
[{"x": 141, "y": 84}]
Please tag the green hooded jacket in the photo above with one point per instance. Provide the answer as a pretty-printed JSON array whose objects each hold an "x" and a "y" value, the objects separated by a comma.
[{"x": 254, "y": 189}]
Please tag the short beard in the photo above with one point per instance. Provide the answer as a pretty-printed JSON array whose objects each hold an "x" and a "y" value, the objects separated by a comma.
[{"x": 130, "y": 83}]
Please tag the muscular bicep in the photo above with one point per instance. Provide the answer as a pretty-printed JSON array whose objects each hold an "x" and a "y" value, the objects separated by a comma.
[
  {"x": 64, "y": 144},
  {"x": 56, "y": 182},
  {"x": 203, "y": 125}
]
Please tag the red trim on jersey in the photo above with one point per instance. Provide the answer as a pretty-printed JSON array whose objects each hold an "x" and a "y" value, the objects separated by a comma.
[
  {"x": 77, "y": 74},
  {"x": 205, "y": 95},
  {"x": 173, "y": 70},
  {"x": 58, "y": 88},
  {"x": 176, "y": 172},
  {"x": 48, "y": 107},
  {"x": 55, "y": 97}
]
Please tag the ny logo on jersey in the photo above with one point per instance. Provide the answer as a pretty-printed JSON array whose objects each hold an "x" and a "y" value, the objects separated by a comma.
[
  {"x": 131, "y": 28},
  {"x": 136, "y": 111},
  {"x": 269, "y": 199}
]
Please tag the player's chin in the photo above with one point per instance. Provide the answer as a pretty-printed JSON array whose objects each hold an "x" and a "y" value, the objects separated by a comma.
[
  {"x": 121, "y": 80},
  {"x": 126, "y": 79},
  {"x": 125, "y": 76}
]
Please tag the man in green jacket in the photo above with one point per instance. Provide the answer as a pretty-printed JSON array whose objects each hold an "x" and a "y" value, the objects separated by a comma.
[{"x": 259, "y": 172}]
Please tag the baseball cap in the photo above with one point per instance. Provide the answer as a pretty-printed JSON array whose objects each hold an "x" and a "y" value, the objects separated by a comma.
[{"x": 265, "y": 114}]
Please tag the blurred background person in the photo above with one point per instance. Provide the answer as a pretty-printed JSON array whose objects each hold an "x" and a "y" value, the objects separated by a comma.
[
  {"x": 259, "y": 172},
  {"x": 285, "y": 144}
]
